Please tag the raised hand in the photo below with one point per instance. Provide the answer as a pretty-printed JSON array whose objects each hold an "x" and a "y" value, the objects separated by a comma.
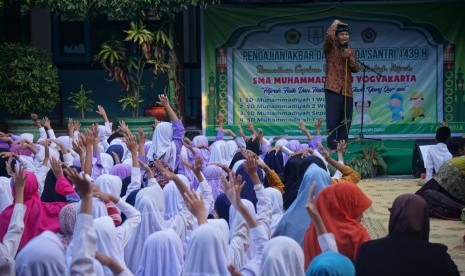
[
  {"x": 82, "y": 184},
  {"x": 163, "y": 101},
  {"x": 276, "y": 149},
  {"x": 260, "y": 134},
  {"x": 198, "y": 164},
  {"x": 302, "y": 126},
  {"x": 9, "y": 169},
  {"x": 310, "y": 206},
  {"x": 147, "y": 170},
  {"x": 95, "y": 132},
  {"x": 250, "y": 165},
  {"x": 101, "y": 112},
  {"x": 233, "y": 189},
  {"x": 56, "y": 168},
  {"x": 166, "y": 173},
  {"x": 341, "y": 147},
  {"x": 241, "y": 131},
  {"x": 250, "y": 127},
  {"x": 76, "y": 125},
  {"x": 220, "y": 119},
  {"x": 77, "y": 148},
  {"x": 196, "y": 206},
  {"x": 324, "y": 151},
  {"x": 319, "y": 122},
  {"x": 142, "y": 136},
  {"x": 303, "y": 153},
  {"x": 124, "y": 127},
  {"x": 116, "y": 157},
  {"x": 131, "y": 143},
  {"x": 47, "y": 123},
  {"x": 19, "y": 181},
  {"x": 34, "y": 117}
]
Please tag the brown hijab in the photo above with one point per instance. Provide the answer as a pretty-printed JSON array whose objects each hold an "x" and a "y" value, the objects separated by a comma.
[{"x": 409, "y": 216}]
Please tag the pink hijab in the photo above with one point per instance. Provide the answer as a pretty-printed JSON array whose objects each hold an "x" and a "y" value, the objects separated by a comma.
[{"x": 39, "y": 216}]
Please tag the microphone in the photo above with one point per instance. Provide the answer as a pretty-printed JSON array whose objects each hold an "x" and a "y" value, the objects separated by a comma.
[{"x": 345, "y": 45}]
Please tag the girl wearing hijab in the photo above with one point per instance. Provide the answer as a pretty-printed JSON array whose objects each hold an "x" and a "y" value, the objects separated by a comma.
[
  {"x": 112, "y": 240},
  {"x": 67, "y": 217},
  {"x": 282, "y": 256},
  {"x": 39, "y": 216},
  {"x": 331, "y": 264},
  {"x": 33, "y": 260},
  {"x": 121, "y": 170},
  {"x": 277, "y": 206},
  {"x": 213, "y": 175},
  {"x": 9, "y": 244},
  {"x": 167, "y": 138},
  {"x": 341, "y": 207},
  {"x": 201, "y": 142},
  {"x": 206, "y": 238},
  {"x": 294, "y": 172},
  {"x": 295, "y": 220},
  {"x": 406, "y": 250},
  {"x": 163, "y": 255}
]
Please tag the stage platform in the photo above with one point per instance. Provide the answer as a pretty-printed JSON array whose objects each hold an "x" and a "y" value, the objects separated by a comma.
[{"x": 398, "y": 154}]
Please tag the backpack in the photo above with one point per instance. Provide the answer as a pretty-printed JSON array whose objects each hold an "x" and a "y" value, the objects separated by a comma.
[{"x": 442, "y": 206}]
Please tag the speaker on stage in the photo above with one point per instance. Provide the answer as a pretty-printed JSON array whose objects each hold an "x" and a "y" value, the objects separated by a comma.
[{"x": 420, "y": 150}]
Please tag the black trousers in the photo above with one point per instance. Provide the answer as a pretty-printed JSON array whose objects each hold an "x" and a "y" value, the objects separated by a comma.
[{"x": 338, "y": 120}]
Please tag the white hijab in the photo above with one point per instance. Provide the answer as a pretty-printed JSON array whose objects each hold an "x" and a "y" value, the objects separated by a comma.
[
  {"x": 219, "y": 153},
  {"x": 232, "y": 149},
  {"x": 150, "y": 203},
  {"x": 206, "y": 239},
  {"x": 43, "y": 255},
  {"x": 27, "y": 136},
  {"x": 163, "y": 146},
  {"x": 108, "y": 243},
  {"x": 174, "y": 202},
  {"x": 281, "y": 142},
  {"x": 6, "y": 195},
  {"x": 65, "y": 141},
  {"x": 282, "y": 256},
  {"x": 107, "y": 162},
  {"x": 236, "y": 218},
  {"x": 163, "y": 255},
  {"x": 110, "y": 184},
  {"x": 277, "y": 206}
]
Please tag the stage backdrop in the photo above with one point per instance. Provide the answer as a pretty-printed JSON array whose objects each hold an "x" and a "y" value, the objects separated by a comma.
[{"x": 266, "y": 65}]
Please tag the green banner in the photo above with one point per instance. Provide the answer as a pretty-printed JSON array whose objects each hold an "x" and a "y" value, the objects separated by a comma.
[{"x": 266, "y": 65}]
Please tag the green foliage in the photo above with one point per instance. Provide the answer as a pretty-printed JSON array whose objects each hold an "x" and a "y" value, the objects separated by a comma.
[
  {"x": 370, "y": 163},
  {"x": 81, "y": 100},
  {"x": 28, "y": 80},
  {"x": 131, "y": 101},
  {"x": 163, "y": 10},
  {"x": 125, "y": 67}
]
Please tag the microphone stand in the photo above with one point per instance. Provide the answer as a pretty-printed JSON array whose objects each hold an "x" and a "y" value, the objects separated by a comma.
[{"x": 365, "y": 68}]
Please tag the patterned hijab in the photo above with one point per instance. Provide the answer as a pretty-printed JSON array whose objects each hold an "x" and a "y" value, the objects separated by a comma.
[{"x": 67, "y": 221}]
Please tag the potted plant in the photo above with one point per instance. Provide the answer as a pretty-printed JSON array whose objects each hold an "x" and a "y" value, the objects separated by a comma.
[
  {"x": 81, "y": 101},
  {"x": 28, "y": 82},
  {"x": 369, "y": 163},
  {"x": 127, "y": 69}
]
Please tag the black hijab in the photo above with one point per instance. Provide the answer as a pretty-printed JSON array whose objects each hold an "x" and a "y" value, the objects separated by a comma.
[{"x": 294, "y": 173}]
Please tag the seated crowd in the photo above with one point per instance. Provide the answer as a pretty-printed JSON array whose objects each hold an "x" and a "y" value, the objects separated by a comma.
[{"x": 105, "y": 202}]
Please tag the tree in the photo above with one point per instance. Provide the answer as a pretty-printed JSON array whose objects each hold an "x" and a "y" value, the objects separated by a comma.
[{"x": 163, "y": 11}]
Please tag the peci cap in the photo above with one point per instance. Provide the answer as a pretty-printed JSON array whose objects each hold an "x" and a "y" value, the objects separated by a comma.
[{"x": 342, "y": 28}]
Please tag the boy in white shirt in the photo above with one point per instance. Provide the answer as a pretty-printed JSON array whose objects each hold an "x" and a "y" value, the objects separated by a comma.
[{"x": 437, "y": 154}]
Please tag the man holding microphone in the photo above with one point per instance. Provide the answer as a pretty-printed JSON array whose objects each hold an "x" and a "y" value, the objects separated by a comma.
[{"x": 340, "y": 64}]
